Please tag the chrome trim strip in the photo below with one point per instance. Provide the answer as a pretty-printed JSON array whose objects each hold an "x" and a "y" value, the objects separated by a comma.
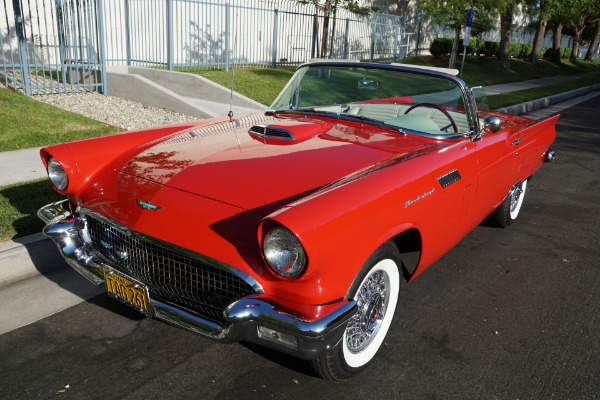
[{"x": 257, "y": 287}]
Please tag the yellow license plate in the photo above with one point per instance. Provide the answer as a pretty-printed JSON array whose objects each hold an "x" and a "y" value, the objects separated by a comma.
[{"x": 127, "y": 290}]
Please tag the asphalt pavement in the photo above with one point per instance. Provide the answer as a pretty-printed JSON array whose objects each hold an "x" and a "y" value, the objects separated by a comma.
[{"x": 507, "y": 314}]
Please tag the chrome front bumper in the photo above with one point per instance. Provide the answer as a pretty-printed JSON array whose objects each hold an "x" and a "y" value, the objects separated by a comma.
[{"x": 252, "y": 318}]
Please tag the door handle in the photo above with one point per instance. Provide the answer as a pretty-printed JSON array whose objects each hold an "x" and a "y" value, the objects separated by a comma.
[{"x": 516, "y": 141}]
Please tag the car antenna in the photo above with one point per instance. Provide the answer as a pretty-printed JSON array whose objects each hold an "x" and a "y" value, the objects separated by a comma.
[
  {"x": 232, "y": 78},
  {"x": 230, "y": 114}
]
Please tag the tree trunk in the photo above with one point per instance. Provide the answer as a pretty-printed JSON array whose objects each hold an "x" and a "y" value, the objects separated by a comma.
[
  {"x": 333, "y": 30},
  {"x": 594, "y": 45},
  {"x": 454, "y": 47},
  {"x": 579, "y": 27},
  {"x": 538, "y": 40},
  {"x": 316, "y": 33},
  {"x": 325, "y": 29},
  {"x": 505, "y": 26},
  {"x": 556, "y": 38}
]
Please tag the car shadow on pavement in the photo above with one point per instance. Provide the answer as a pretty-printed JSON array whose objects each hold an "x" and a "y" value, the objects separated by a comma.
[{"x": 281, "y": 359}]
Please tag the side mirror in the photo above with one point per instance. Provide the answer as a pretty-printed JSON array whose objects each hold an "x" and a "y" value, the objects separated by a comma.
[{"x": 493, "y": 123}]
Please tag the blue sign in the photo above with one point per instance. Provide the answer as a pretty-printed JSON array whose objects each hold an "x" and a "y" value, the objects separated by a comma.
[
  {"x": 470, "y": 13},
  {"x": 467, "y": 35}
]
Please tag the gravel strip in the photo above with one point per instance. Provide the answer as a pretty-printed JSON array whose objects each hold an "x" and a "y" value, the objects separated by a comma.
[{"x": 125, "y": 114}]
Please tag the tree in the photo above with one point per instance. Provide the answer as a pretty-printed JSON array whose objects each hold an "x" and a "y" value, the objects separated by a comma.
[
  {"x": 541, "y": 10},
  {"x": 577, "y": 17},
  {"x": 453, "y": 14},
  {"x": 327, "y": 8},
  {"x": 594, "y": 43}
]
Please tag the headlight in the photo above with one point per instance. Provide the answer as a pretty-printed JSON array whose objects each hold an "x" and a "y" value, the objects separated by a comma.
[
  {"x": 57, "y": 175},
  {"x": 284, "y": 252}
]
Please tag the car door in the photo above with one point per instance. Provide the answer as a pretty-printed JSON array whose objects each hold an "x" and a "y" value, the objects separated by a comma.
[{"x": 498, "y": 160}]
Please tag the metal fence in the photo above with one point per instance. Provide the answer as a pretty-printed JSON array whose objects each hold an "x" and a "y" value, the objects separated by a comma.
[
  {"x": 51, "y": 47},
  {"x": 220, "y": 33},
  {"x": 64, "y": 45}
]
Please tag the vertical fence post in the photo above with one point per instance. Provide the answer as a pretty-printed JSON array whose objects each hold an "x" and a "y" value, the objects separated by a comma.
[
  {"x": 346, "y": 38},
  {"x": 314, "y": 38},
  {"x": 396, "y": 43},
  {"x": 275, "y": 14},
  {"x": 61, "y": 41},
  {"x": 170, "y": 35},
  {"x": 418, "y": 35},
  {"x": 373, "y": 30},
  {"x": 227, "y": 34},
  {"x": 22, "y": 46},
  {"x": 127, "y": 31},
  {"x": 101, "y": 44}
]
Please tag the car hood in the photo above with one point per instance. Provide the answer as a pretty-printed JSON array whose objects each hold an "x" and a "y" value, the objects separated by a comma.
[{"x": 227, "y": 163}]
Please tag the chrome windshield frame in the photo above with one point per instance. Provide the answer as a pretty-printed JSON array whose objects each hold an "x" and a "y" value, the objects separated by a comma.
[{"x": 468, "y": 98}]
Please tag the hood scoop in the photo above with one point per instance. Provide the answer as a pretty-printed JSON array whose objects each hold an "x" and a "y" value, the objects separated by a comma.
[
  {"x": 288, "y": 132},
  {"x": 268, "y": 131}
]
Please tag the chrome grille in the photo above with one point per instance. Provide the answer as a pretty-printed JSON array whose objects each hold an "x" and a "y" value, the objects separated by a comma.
[{"x": 171, "y": 276}]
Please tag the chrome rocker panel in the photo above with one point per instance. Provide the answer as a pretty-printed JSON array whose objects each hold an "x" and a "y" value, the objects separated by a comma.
[{"x": 244, "y": 316}]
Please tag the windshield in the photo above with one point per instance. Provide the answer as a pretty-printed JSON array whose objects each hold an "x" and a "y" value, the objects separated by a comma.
[{"x": 404, "y": 100}]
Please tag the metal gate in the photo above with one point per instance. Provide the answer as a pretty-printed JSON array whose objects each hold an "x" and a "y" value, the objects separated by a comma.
[{"x": 52, "y": 46}]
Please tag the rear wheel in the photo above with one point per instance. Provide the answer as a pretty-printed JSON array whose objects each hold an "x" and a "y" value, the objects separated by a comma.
[
  {"x": 509, "y": 210},
  {"x": 375, "y": 290}
]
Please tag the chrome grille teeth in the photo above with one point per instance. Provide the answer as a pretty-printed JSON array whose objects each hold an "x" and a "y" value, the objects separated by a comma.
[{"x": 172, "y": 277}]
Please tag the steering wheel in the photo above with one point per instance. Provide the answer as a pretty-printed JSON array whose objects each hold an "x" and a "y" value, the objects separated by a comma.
[{"x": 437, "y": 107}]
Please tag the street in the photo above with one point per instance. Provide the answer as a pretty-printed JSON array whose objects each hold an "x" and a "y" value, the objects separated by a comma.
[{"x": 507, "y": 314}]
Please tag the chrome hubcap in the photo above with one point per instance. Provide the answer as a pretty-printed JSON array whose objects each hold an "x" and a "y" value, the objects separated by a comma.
[
  {"x": 514, "y": 198},
  {"x": 372, "y": 300}
]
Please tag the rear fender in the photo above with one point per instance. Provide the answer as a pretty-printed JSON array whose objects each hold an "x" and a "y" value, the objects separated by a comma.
[{"x": 535, "y": 139}]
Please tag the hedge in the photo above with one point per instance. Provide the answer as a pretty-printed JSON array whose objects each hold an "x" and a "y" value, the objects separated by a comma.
[{"x": 443, "y": 47}]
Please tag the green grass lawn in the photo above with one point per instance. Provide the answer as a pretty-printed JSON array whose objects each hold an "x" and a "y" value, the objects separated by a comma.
[
  {"x": 260, "y": 84},
  {"x": 263, "y": 85},
  {"x": 26, "y": 123},
  {"x": 509, "y": 99},
  {"x": 19, "y": 204}
]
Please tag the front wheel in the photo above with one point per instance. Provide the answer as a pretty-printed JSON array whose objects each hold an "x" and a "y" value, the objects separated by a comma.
[
  {"x": 508, "y": 211},
  {"x": 375, "y": 290}
]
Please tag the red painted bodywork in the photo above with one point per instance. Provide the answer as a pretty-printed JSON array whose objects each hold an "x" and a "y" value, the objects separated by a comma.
[{"x": 342, "y": 187}]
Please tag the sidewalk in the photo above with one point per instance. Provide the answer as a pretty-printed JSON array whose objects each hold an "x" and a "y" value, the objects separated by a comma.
[{"x": 533, "y": 83}]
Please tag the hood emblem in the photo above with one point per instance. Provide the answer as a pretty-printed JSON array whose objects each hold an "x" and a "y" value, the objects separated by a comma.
[{"x": 147, "y": 205}]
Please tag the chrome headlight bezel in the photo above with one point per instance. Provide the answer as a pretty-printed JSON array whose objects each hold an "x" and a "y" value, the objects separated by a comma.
[
  {"x": 284, "y": 253},
  {"x": 57, "y": 175}
]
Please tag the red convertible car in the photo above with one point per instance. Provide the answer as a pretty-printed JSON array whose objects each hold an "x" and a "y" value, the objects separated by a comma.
[{"x": 290, "y": 228}]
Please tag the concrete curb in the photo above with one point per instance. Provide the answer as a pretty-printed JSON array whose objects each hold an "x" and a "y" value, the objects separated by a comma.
[
  {"x": 533, "y": 105},
  {"x": 24, "y": 257}
]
